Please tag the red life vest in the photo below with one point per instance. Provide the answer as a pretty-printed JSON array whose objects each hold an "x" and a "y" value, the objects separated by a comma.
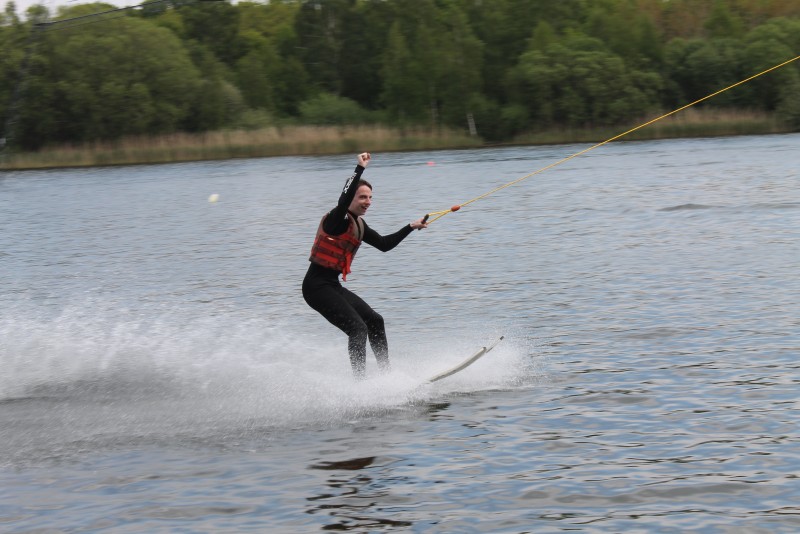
[{"x": 337, "y": 251}]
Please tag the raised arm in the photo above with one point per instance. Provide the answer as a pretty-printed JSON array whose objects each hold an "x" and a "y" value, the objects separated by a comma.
[{"x": 336, "y": 222}]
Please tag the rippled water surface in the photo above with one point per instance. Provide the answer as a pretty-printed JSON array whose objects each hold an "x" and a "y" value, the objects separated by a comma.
[{"x": 161, "y": 372}]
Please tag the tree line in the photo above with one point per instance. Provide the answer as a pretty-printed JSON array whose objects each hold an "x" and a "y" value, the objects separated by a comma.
[{"x": 498, "y": 67}]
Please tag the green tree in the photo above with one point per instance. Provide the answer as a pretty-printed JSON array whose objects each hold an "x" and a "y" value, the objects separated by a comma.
[
  {"x": 432, "y": 64},
  {"x": 269, "y": 75},
  {"x": 216, "y": 102},
  {"x": 404, "y": 92},
  {"x": 455, "y": 64},
  {"x": 578, "y": 83},
  {"x": 543, "y": 36},
  {"x": 216, "y": 26},
  {"x": 124, "y": 76},
  {"x": 364, "y": 40},
  {"x": 255, "y": 73},
  {"x": 13, "y": 39},
  {"x": 722, "y": 23},
  {"x": 328, "y": 109},
  {"x": 292, "y": 86},
  {"x": 767, "y": 45},
  {"x": 319, "y": 27},
  {"x": 700, "y": 67},
  {"x": 505, "y": 27},
  {"x": 625, "y": 31},
  {"x": 507, "y": 64}
]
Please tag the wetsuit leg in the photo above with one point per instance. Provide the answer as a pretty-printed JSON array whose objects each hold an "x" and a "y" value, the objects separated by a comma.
[
  {"x": 376, "y": 329},
  {"x": 349, "y": 313}
]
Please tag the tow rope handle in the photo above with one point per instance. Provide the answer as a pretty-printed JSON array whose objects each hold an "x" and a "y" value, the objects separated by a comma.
[
  {"x": 440, "y": 214},
  {"x": 424, "y": 220}
]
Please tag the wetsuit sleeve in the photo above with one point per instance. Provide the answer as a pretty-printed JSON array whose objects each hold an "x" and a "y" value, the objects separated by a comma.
[
  {"x": 385, "y": 243},
  {"x": 336, "y": 222}
]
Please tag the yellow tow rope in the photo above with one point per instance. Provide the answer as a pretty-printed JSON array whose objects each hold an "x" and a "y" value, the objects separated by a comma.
[{"x": 439, "y": 214}]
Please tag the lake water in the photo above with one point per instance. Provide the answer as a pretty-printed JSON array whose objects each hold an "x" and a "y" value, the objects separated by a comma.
[{"x": 162, "y": 373}]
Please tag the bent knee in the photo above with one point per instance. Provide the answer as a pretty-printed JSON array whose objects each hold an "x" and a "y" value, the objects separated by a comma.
[
  {"x": 375, "y": 320},
  {"x": 357, "y": 329}
]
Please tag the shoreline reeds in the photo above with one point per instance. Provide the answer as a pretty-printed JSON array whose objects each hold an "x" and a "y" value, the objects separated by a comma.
[
  {"x": 230, "y": 144},
  {"x": 686, "y": 124},
  {"x": 319, "y": 140}
]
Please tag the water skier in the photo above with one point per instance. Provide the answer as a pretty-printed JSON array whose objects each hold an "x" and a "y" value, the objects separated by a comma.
[{"x": 340, "y": 233}]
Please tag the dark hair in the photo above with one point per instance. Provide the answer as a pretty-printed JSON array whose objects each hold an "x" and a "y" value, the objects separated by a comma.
[{"x": 364, "y": 182}]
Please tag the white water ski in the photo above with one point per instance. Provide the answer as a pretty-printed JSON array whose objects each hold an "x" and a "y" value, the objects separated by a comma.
[{"x": 466, "y": 363}]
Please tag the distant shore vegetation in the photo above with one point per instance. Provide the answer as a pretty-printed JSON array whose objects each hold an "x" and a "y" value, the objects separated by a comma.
[
  {"x": 182, "y": 80},
  {"x": 321, "y": 140}
]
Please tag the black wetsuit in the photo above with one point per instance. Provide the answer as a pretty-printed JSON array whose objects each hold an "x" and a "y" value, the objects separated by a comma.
[{"x": 340, "y": 306}]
